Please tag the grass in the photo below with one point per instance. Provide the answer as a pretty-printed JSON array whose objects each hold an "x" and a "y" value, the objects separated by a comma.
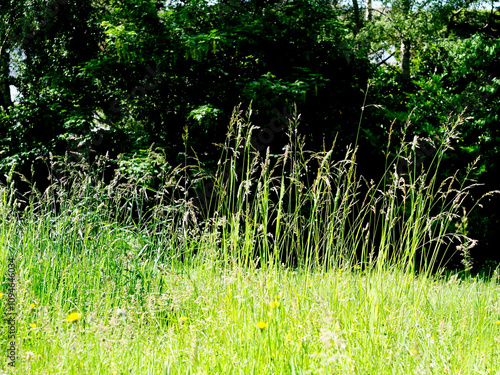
[
  {"x": 288, "y": 266},
  {"x": 205, "y": 320}
]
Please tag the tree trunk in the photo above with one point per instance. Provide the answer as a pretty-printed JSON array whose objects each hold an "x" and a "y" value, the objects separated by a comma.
[
  {"x": 369, "y": 10},
  {"x": 357, "y": 16}
]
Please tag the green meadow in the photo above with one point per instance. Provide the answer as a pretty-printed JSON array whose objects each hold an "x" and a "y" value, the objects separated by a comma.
[{"x": 292, "y": 265}]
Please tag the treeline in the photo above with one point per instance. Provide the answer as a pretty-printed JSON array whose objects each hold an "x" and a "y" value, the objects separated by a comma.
[{"x": 117, "y": 76}]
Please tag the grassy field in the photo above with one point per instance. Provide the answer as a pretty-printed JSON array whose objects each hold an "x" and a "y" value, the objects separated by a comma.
[
  {"x": 348, "y": 281},
  {"x": 221, "y": 320}
]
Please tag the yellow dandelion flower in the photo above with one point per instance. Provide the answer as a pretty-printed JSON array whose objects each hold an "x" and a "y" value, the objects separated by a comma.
[
  {"x": 498, "y": 321},
  {"x": 1, "y": 295},
  {"x": 309, "y": 286},
  {"x": 182, "y": 319},
  {"x": 274, "y": 304},
  {"x": 32, "y": 305},
  {"x": 261, "y": 325},
  {"x": 33, "y": 325},
  {"x": 73, "y": 317}
]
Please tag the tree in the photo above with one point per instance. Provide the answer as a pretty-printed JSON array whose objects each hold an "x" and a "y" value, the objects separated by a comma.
[
  {"x": 45, "y": 41},
  {"x": 400, "y": 27},
  {"x": 10, "y": 22}
]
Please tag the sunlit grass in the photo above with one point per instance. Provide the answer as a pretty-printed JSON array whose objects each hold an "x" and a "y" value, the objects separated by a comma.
[
  {"x": 209, "y": 320},
  {"x": 289, "y": 266}
]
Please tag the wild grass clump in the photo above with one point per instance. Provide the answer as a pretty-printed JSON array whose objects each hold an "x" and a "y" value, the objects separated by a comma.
[
  {"x": 306, "y": 209},
  {"x": 299, "y": 208},
  {"x": 288, "y": 263}
]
